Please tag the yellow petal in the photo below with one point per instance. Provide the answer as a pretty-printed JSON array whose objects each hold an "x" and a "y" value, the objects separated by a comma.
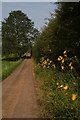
[
  {"x": 66, "y": 87},
  {"x": 48, "y": 63},
  {"x": 64, "y": 52},
  {"x": 45, "y": 62},
  {"x": 62, "y": 67},
  {"x": 73, "y": 97},
  {"x": 71, "y": 67},
  {"x": 57, "y": 84},
  {"x": 63, "y": 61},
  {"x": 59, "y": 59},
  {"x": 70, "y": 64},
  {"x": 47, "y": 59},
  {"x": 44, "y": 66}
]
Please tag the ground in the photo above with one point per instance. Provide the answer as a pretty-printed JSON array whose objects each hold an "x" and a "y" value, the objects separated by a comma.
[{"x": 19, "y": 99}]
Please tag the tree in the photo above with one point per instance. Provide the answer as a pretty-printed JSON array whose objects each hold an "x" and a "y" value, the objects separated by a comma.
[
  {"x": 61, "y": 33},
  {"x": 17, "y": 33},
  {"x": 67, "y": 29}
]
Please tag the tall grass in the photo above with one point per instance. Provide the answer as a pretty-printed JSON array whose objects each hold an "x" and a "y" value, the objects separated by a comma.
[
  {"x": 8, "y": 67},
  {"x": 55, "y": 100}
]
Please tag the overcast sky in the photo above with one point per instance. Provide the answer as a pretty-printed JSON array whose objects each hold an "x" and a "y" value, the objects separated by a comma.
[{"x": 37, "y": 11}]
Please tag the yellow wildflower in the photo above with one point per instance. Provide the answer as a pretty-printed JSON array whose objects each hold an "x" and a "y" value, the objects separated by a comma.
[
  {"x": 48, "y": 63},
  {"x": 71, "y": 67},
  {"x": 73, "y": 97},
  {"x": 64, "y": 52},
  {"x": 47, "y": 59},
  {"x": 45, "y": 62},
  {"x": 70, "y": 64},
  {"x": 60, "y": 58},
  {"x": 44, "y": 66},
  {"x": 62, "y": 67},
  {"x": 66, "y": 87},
  {"x": 63, "y": 61}
]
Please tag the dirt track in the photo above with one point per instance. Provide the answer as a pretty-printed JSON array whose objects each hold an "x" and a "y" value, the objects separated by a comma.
[{"x": 19, "y": 98}]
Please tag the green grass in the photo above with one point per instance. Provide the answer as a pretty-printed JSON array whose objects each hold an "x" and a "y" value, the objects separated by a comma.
[
  {"x": 54, "y": 101},
  {"x": 8, "y": 67}
]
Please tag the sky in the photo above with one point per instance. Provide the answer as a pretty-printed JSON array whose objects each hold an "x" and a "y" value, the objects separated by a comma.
[
  {"x": 37, "y": 11},
  {"x": 29, "y": 0}
]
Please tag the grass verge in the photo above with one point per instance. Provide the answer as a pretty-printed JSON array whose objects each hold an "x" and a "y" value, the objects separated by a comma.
[
  {"x": 9, "y": 66},
  {"x": 58, "y": 93}
]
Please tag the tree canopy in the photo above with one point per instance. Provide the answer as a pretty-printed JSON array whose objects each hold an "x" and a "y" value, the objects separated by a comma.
[
  {"x": 61, "y": 33},
  {"x": 18, "y": 33}
]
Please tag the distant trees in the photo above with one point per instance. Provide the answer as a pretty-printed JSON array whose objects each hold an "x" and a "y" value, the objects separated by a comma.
[
  {"x": 62, "y": 33},
  {"x": 18, "y": 33}
]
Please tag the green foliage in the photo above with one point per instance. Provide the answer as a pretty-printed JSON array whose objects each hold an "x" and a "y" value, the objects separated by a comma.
[
  {"x": 62, "y": 33},
  {"x": 8, "y": 67},
  {"x": 18, "y": 33},
  {"x": 67, "y": 30},
  {"x": 58, "y": 86},
  {"x": 55, "y": 101}
]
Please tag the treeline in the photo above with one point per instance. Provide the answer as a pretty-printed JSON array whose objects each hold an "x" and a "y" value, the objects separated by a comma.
[{"x": 61, "y": 33}]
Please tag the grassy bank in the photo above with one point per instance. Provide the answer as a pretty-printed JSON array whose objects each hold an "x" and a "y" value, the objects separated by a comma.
[
  {"x": 8, "y": 67},
  {"x": 58, "y": 93}
]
